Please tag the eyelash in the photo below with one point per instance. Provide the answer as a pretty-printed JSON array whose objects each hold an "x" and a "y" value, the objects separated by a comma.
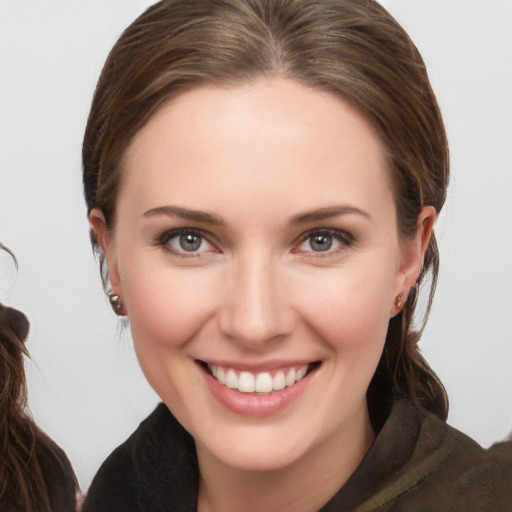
[{"x": 345, "y": 239}]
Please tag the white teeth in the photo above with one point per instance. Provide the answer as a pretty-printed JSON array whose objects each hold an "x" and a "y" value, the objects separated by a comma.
[
  {"x": 264, "y": 383},
  {"x": 279, "y": 381},
  {"x": 301, "y": 372},
  {"x": 232, "y": 379},
  {"x": 290, "y": 377},
  {"x": 247, "y": 382}
]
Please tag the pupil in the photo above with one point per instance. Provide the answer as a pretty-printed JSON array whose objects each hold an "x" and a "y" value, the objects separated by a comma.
[
  {"x": 190, "y": 242},
  {"x": 321, "y": 243}
]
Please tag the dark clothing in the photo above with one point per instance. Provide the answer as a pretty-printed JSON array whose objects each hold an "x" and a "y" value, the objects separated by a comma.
[{"x": 416, "y": 463}]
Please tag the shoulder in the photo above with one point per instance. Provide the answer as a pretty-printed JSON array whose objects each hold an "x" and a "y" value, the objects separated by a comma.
[
  {"x": 114, "y": 487},
  {"x": 149, "y": 468},
  {"x": 470, "y": 467},
  {"x": 419, "y": 463},
  {"x": 455, "y": 473},
  {"x": 479, "y": 475}
]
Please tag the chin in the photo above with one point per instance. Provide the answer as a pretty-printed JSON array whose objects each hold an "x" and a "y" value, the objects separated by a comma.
[
  {"x": 257, "y": 458},
  {"x": 255, "y": 447}
]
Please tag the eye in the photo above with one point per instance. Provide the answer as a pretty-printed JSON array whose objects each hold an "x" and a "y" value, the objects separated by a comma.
[
  {"x": 324, "y": 241},
  {"x": 190, "y": 242},
  {"x": 185, "y": 242},
  {"x": 320, "y": 242}
]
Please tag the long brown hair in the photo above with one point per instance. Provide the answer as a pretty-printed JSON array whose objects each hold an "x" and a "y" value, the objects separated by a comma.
[
  {"x": 35, "y": 475},
  {"x": 352, "y": 48}
]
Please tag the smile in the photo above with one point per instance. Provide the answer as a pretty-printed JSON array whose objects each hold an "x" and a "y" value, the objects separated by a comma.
[{"x": 262, "y": 382}]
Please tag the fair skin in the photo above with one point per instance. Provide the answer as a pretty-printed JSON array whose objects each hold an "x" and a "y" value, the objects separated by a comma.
[{"x": 256, "y": 233}]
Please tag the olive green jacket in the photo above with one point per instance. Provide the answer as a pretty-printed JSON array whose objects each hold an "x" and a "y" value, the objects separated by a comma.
[{"x": 416, "y": 463}]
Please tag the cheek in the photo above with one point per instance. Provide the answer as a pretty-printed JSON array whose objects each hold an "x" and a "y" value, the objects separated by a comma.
[
  {"x": 349, "y": 308},
  {"x": 167, "y": 308}
]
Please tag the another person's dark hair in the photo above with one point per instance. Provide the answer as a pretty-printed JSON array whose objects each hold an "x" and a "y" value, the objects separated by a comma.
[
  {"x": 352, "y": 48},
  {"x": 35, "y": 474}
]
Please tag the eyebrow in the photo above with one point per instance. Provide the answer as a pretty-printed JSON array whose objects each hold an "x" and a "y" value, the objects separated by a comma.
[
  {"x": 185, "y": 213},
  {"x": 301, "y": 218},
  {"x": 327, "y": 213}
]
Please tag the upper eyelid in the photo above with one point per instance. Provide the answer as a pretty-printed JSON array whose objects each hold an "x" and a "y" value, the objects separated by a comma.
[
  {"x": 171, "y": 233},
  {"x": 337, "y": 233}
]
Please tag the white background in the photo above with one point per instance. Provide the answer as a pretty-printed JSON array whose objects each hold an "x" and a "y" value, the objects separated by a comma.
[{"x": 85, "y": 387}]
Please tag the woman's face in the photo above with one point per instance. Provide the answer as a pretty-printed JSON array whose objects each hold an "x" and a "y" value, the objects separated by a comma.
[{"x": 257, "y": 255}]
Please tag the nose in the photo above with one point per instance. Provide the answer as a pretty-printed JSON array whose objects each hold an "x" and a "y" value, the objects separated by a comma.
[{"x": 255, "y": 311}]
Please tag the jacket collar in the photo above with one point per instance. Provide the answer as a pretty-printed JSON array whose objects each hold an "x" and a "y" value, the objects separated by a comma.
[{"x": 411, "y": 444}]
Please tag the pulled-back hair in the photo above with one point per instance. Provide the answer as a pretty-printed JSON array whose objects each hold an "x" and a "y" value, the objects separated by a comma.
[{"x": 351, "y": 48}]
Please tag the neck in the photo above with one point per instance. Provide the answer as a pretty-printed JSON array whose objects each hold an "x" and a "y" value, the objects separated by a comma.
[{"x": 307, "y": 484}]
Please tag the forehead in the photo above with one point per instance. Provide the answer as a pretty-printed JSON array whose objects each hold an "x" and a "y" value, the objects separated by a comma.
[{"x": 258, "y": 138}]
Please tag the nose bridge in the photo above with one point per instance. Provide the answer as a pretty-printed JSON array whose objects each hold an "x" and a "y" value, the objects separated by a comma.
[{"x": 255, "y": 309}]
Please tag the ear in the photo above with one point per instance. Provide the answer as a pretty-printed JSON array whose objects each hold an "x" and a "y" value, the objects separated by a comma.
[
  {"x": 103, "y": 236},
  {"x": 412, "y": 255}
]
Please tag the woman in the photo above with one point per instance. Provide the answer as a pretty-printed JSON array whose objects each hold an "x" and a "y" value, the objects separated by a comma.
[
  {"x": 35, "y": 474},
  {"x": 262, "y": 180}
]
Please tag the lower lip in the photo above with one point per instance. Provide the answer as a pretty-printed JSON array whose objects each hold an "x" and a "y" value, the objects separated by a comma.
[{"x": 251, "y": 404}]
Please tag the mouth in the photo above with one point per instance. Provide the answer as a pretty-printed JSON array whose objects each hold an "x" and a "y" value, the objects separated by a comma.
[{"x": 260, "y": 383}]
